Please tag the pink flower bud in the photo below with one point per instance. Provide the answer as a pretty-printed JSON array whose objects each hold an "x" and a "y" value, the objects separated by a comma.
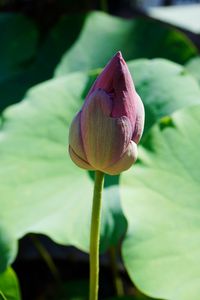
[{"x": 105, "y": 133}]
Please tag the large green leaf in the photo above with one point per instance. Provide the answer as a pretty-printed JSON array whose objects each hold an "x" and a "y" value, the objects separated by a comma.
[
  {"x": 183, "y": 16},
  {"x": 2, "y": 297},
  {"x": 8, "y": 247},
  {"x": 193, "y": 66},
  {"x": 161, "y": 201},
  {"x": 41, "y": 190},
  {"x": 59, "y": 40},
  {"x": 24, "y": 62},
  {"x": 18, "y": 40},
  {"x": 103, "y": 35},
  {"x": 9, "y": 286},
  {"x": 164, "y": 87}
]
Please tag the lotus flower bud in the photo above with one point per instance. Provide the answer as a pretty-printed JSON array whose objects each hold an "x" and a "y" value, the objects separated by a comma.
[{"x": 105, "y": 133}]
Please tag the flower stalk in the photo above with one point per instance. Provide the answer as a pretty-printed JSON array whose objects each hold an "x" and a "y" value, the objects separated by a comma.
[{"x": 95, "y": 235}]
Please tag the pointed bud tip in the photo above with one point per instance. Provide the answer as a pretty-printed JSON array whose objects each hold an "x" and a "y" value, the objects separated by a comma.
[{"x": 118, "y": 56}]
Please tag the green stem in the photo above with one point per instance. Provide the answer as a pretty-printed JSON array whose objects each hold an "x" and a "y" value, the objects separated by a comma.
[
  {"x": 47, "y": 257},
  {"x": 2, "y": 297},
  {"x": 119, "y": 288},
  {"x": 95, "y": 235}
]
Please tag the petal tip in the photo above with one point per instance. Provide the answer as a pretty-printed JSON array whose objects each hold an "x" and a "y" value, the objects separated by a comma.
[
  {"x": 119, "y": 57},
  {"x": 119, "y": 54}
]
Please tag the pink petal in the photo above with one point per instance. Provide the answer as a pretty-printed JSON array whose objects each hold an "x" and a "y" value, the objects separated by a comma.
[
  {"x": 125, "y": 95},
  {"x": 139, "y": 123},
  {"x": 105, "y": 79},
  {"x": 75, "y": 139},
  {"x": 125, "y": 162},
  {"x": 116, "y": 80},
  {"x": 104, "y": 138},
  {"x": 79, "y": 161}
]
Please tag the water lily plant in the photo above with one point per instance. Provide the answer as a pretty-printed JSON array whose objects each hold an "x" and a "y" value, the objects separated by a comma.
[{"x": 103, "y": 137}]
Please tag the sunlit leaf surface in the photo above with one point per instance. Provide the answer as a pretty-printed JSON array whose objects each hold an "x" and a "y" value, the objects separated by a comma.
[
  {"x": 41, "y": 190},
  {"x": 103, "y": 35},
  {"x": 161, "y": 201},
  {"x": 9, "y": 286}
]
